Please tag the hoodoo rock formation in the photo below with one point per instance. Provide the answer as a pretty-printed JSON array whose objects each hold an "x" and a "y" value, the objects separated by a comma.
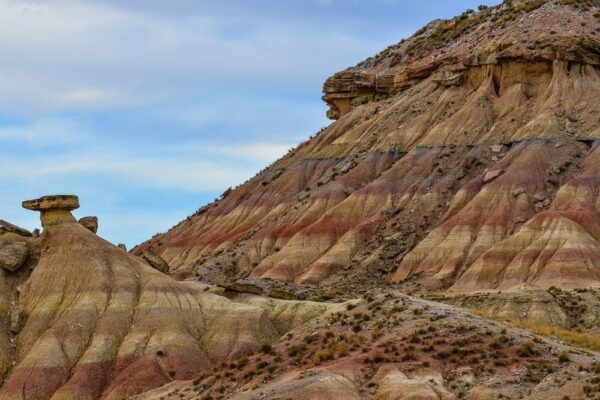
[
  {"x": 90, "y": 321},
  {"x": 464, "y": 158}
]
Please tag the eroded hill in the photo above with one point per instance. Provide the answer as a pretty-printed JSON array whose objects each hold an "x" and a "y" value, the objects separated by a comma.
[
  {"x": 463, "y": 167},
  {"x": 83, "y": 319},
  {"x": 464, "y": 158}
]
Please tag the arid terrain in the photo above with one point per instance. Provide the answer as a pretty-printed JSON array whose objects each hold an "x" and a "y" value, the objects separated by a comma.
[{"x": 439, "y": 240}]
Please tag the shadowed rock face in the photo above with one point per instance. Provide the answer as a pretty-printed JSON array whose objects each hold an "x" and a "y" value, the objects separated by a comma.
[
  {"x": 464, "y": 157},
  {"x": 95, "y": 322}
]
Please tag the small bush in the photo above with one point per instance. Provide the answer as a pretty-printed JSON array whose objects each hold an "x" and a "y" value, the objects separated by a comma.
[
  {"x": 563, "y": 357},
  {"x": 266, "y": 348}
]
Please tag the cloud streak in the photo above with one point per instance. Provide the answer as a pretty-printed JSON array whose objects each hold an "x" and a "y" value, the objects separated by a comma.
[{"x": 68, "y": 54}]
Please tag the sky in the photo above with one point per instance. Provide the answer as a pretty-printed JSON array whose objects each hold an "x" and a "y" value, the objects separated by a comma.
[{"x": 149, "y": 109}]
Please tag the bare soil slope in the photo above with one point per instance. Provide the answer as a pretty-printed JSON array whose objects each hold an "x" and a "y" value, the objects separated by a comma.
[{"x": 464, "y": 158}]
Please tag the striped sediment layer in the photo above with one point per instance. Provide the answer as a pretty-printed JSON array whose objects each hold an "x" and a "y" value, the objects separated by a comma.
[
  {"x": 92, "y": 321},
  {"x": 474, "y": 173}
]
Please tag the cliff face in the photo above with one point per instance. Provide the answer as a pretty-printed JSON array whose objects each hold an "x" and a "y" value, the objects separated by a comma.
[
  {"x": 465, "y": 157},
  {"x": 526, "y": 30}
]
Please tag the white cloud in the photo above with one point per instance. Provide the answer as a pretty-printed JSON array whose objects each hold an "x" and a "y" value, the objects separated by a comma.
[
  {"x": 140, "y": 171},
  {"x": 46, "y": 132},
  {"x": 190, "y": 165},
  {"x": 73, "y": 54}
]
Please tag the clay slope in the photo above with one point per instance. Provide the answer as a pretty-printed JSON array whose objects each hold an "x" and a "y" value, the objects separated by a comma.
[
  {"x": 461, "y": 157},
  {"x": 92, "y": 321},
  {"x": 391, "y": 346}
]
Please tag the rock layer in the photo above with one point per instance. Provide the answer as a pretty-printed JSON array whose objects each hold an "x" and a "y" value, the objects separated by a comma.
[
  {"x": 448, "y": 164},
  {"x": 92, "y": 321}
]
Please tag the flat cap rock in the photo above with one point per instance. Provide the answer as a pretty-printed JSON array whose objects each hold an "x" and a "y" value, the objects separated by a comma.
[
  {"x": 8, "y": 227},
  {"x": 56, "y": 202}
]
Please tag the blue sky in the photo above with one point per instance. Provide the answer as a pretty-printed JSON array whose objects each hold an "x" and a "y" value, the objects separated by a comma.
[{"x": 149, "y": 109}]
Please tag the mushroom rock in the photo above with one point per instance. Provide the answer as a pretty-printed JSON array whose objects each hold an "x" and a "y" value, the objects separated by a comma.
[
  {"x": 90, "y": 223},
  {"x": 55, "y": 210}
]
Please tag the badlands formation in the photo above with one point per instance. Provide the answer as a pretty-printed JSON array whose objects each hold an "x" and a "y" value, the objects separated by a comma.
[
  {"x": 440, "y": 240},
  {"x": 83, "y": 319},
  {"x": 465, "y": 158}
]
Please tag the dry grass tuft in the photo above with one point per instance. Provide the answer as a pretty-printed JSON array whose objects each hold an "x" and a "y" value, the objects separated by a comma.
[{"x": 574, "y": 338}]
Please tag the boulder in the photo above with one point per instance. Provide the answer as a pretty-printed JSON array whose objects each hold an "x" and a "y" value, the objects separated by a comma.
[
  {"x": 397, "y": 386},
  {"x": 156, "y": 261},
  {"x": 282, "y": 294},
  {"x": 540, "y": 196},
  {"x": 518, "y": 191},
  {"x": 492, "y": 175},
  {"x": 90, "y": 223},
  {"x": 497, "y": 148},
  {"x": 13, "y": 255},
  {"x": 451, "y": 80}
]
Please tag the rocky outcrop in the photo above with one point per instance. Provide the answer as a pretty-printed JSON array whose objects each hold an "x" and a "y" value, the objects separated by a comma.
[
  {"x": 54, "y": 210},
  {"x": 445, "y": 49},
  {"x": 156, "y": 261},
  {"x": 90, "y": 223},
  {"x": 8, "y": 227}
]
